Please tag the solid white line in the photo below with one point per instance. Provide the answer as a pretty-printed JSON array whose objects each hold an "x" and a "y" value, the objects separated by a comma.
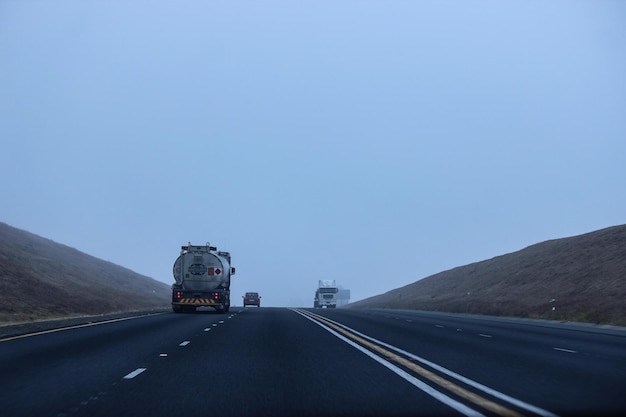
[
  {"x": 134, "y": 373},
  {"x": 78, "y": 326},
  {"x": 185, "y": 343},
  {"x": 461, "y": 408},
  {"x": 565, "y": 350},
  {"x": 452, "y": 374}
]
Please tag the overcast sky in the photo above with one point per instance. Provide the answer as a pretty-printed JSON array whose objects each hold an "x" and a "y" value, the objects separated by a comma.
[{"x": 371, "y": 142}]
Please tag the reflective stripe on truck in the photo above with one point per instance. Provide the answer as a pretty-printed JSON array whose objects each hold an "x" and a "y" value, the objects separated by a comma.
[{"x": 197, "y": 301}]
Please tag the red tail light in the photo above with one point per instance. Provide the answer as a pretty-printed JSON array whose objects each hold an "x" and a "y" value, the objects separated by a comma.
[
  {"x": 216, "y": 295},
  {"x": 178, "y": 295}
]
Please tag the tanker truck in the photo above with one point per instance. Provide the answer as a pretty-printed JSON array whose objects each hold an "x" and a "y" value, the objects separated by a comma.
[
  {"x": 202, "y": 275},
  {"x": 326, "y": 294}
]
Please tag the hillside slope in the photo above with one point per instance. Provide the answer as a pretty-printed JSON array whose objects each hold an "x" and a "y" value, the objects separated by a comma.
[
  {"x": 42, "y": 279},
  {"x": 580, "y": 278}
]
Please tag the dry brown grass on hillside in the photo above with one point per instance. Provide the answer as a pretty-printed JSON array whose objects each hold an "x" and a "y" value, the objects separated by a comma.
[
  {"x": 581, "y": 278},
  {"x": 42, "y": 279}
]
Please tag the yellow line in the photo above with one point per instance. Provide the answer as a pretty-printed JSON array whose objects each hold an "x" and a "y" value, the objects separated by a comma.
[
  {"x": 442, "y": 382},
  {"x": 21, "y": 336}
]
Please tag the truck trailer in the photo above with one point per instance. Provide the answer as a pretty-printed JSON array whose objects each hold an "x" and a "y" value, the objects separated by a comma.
[
  {"x": 326, "y": 294},
  {"x": 202, "y": 275}
]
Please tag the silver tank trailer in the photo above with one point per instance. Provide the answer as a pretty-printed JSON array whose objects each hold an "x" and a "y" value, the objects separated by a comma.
[{"x": 202, "y": 268}]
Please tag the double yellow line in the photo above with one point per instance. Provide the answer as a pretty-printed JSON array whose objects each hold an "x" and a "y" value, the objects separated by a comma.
[{"x": 412, "y": 366}]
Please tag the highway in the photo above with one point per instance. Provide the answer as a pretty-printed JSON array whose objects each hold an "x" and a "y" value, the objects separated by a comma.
[{"x": 315, "y": 362}]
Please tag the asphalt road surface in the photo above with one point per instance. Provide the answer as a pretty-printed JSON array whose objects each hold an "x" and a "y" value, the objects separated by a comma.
[{"x": 314, "y": 362}]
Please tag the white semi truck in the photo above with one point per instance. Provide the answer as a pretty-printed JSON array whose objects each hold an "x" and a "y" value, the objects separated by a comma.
[
  {"x": 202, "y": 275},
  {"x": 326, "y": 294}
]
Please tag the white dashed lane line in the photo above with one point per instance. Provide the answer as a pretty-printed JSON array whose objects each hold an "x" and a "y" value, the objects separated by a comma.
[
  {"x": 134, "y": 373},
  {"x": 138, "y": 371},
  {"x": 564, "y": 350},
  {"x": 164, "y": 355}
]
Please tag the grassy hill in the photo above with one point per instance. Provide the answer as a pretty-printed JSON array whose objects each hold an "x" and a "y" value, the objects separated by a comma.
[
  {"x": 580, "y": 278},
  {"x": 42, "y": 279}
]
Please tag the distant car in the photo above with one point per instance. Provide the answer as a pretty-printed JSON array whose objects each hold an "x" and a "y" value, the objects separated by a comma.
[{"x": 252, "y": 299}]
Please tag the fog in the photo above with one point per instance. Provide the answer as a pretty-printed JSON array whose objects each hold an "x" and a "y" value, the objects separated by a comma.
[{"x": 370, "y": 142}]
